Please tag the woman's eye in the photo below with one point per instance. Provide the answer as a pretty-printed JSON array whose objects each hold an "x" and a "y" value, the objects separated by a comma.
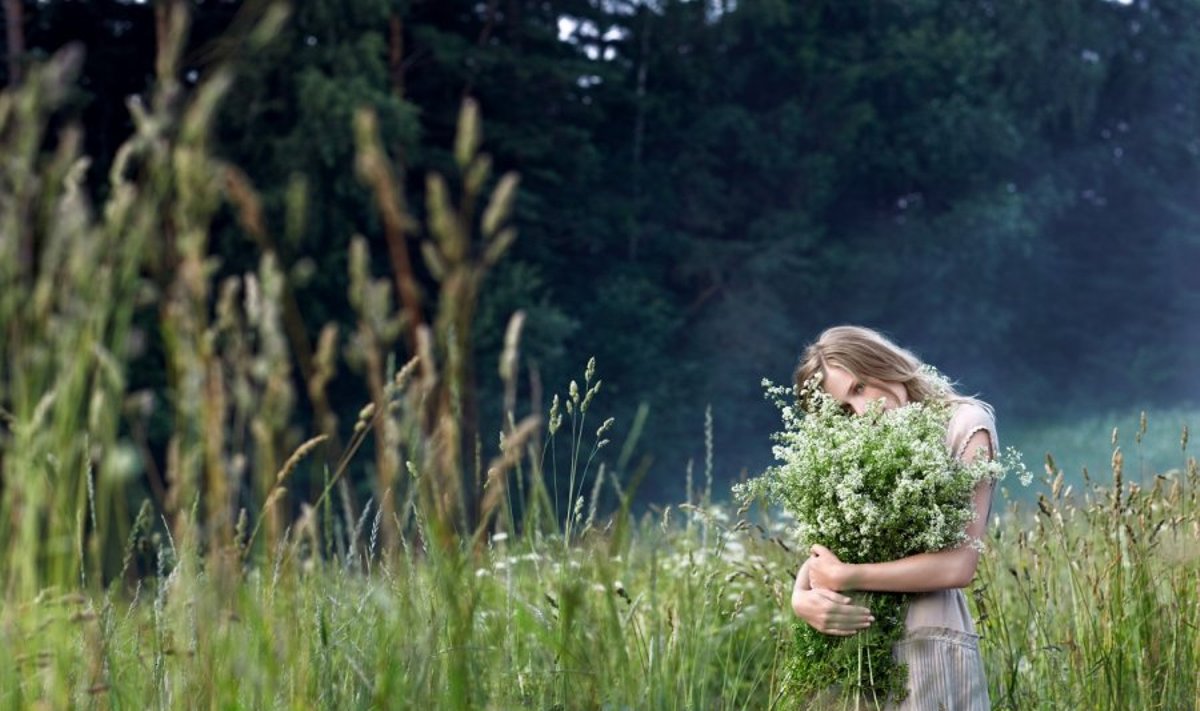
[{"x": 859, "y": 388}]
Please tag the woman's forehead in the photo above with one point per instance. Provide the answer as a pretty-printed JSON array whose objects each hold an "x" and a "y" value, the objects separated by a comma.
[{"x": 837, "y": 379}]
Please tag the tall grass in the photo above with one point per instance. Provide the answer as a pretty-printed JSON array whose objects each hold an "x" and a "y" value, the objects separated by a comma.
[
  {"x": 455, "y": 584},
  {"x": 1092, "y": 599},
  {"x": 662, "y": 624}
]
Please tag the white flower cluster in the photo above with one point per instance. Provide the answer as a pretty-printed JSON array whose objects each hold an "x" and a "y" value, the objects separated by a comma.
[{"x": 871, "y": 488}]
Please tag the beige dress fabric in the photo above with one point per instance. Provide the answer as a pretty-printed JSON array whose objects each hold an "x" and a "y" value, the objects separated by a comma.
[{"x": 940, "y": 646}]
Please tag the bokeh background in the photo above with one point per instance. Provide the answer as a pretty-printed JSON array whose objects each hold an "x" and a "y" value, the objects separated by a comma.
[{"x": 1008, "y": 188}]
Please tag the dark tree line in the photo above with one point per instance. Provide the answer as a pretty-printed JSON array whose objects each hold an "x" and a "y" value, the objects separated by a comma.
[{"x": 1010, "y": 188}]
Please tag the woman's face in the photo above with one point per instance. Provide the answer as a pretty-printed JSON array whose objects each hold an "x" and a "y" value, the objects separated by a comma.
[{"x": 855, "y": 393}]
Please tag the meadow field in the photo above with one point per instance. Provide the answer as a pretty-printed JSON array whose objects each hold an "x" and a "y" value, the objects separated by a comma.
[
  {"x": 199, "y": 545},
  {"x": 1090, "y": 599}
]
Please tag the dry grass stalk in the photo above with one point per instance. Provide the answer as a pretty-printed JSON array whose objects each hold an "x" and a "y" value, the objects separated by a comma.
[
  {"x": 301, "y": 452},
  {"x": 497, "y": 471},
  {"x": 446, "y": 409}
]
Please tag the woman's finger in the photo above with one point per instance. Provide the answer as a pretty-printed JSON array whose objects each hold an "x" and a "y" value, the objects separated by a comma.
[
  {"x": 854, "y": 614},
  {"x": 850, "y": 623},
  {"x": 849, "y": 626},
  {"x": 842, "y": 602},
  {"x": 833, "y": 596},
  {"x": 837, "y": 629}
]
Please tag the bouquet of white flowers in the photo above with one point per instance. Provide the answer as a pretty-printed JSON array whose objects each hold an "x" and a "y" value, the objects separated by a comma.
[{"x": 872, "y": 488}]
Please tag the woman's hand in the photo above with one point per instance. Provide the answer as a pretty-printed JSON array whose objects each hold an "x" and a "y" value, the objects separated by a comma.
[
  {"x": 825, "y": 570},
  {"x": 827, "y": 611}
]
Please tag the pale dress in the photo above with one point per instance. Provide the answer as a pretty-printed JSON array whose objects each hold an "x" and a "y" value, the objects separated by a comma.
[{"x": 940, "y": 646}]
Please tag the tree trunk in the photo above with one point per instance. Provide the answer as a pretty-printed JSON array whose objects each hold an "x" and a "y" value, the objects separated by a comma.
[
  {"x": 14, "y": 24},
  {"x": 639, "y": 130},
  {"x": 396, "y": 53}
]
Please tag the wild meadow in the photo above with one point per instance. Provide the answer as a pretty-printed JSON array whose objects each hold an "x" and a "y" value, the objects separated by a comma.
[{"x": 502, "y": 569}]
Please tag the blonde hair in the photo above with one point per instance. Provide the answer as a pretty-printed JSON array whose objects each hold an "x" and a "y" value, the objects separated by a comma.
[{"x": 869, "y": 355}]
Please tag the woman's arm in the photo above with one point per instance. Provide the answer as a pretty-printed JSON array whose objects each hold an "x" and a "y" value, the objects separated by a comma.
[
  {"x": 924, "y": 572},
  {"x": 825, "y": 610}
]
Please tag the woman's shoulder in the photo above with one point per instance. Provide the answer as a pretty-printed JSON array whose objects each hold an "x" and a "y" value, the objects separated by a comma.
[
  {"x": 969, "y": 409},
  {"x": 968, "y": 416}
]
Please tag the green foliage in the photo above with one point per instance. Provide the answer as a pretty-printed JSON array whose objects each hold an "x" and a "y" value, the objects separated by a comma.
[{"x": 289, "y": 121}]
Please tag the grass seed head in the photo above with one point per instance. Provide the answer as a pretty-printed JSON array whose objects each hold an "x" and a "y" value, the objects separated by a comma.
[
  {"x": 591, "y": 393},
  {"x": 276, "y": 494},
  {"x": 405, "y": 374},
  {"x": 605, "y": 427},
  {"x": 555, "y": 416},
  {"x": 301, "y": 452},
  {"x": 1118, "y": 466}
]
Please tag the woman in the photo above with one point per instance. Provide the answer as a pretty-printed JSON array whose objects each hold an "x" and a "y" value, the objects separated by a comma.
[{"x": 858, "y": 366}]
